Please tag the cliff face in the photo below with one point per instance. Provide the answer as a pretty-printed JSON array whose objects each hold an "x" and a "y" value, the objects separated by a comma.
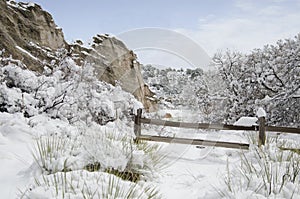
[
  {"x": 29, "y": 34},
  {"x": 119, "y": 65},
  {"x": 115, "y": 64}
]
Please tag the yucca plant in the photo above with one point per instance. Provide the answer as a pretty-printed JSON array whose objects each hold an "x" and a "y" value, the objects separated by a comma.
[
  {"x": 51, "y": 153},
  {"x": 265, "y": 170},
  {"x": 156, "y": 157},
  {"x": 87, "y": 185},
  {"x": 141, "y": 158},
  {"x": 116, "y": 189},
  {"x": 55, "y": 157}
]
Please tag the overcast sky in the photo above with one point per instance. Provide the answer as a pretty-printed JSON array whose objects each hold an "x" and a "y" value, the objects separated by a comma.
[{"x": 213, "y": 24}]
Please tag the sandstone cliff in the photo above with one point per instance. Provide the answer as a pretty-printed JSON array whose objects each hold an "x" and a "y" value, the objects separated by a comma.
[
  {"x": 29, "y": 34},
  {"x": 116, "y": 64}
]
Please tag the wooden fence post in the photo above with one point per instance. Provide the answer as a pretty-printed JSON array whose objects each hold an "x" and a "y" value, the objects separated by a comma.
[
  {"x": 262, "y": 131},
  {"x": 137, "y": 123}
]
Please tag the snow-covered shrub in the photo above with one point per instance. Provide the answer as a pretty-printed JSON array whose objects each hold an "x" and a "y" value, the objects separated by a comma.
[
  {"x": 182, "y": 87},
  {"x": 53, "y": 154},
  {"x": 84, "y": 184},
  {"x": 150, "y": 156},
  {"x": 268, "y": 171},
  {"x": 109, "y": 147},
  {"x": 268, "y": 77},
  {"x": 190, "y": 88},
  {"x": 112, "y": 154},
  {"x": 76, "y": 121},
  {"x": 68, "y": 92}
]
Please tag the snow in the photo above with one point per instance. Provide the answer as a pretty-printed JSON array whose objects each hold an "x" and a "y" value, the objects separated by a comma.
[
  {"x": 15, "y": 5},
  {"x": 45, "y": 149},
  {"x": 93, "y": 183},
  {"x": 20, "y": 5},
  {"x": 261, "y": 112},
  {"x": 31, "y": 4},
  {"x": 196, "y": 172},
  {"x": 37, "y": 138},
  {"x": 246, "y": 121},
  {"x": 190, "y": 172},
  {"x": 18, "y": 167},
  {"x": 15, "y": 141},
  {"x": 26, "y": 52}
]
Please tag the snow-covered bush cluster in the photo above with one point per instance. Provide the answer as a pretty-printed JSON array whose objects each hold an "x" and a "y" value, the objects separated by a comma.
[
  {"x": 67, "y": 92},
  {"x": 267, "y": 172},
  {"x": 77, "y": 123},
  {"x": 193, "y": 89},
  {"x": 268, "y": 77},
  {"x": 176, "y": 86},
  {"x": 84, "y": 184}
]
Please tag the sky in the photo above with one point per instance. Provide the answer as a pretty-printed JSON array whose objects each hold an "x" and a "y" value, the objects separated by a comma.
[{"x": 215, "y": 25}]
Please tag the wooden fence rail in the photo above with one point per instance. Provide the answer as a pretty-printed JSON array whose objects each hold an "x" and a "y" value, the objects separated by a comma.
[
  {"x": 197, "y": 125},
  {"x": 194, "y": 142},
  {"x": 262, "y": 128}
]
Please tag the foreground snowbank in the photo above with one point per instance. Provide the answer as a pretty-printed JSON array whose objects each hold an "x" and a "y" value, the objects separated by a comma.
[{"x": 64, "y": 132}]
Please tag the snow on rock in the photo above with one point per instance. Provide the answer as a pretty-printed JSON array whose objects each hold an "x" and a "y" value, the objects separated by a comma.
[
  {"x": 26, "y": 52},
  {"x": 261, "y": 112},
  {"x": 246, "y": 121}
]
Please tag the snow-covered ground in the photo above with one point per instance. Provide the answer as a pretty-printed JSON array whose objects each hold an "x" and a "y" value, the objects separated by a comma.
[
  {"x": 196, "y": 172},
  {"x": 65, "y": 134},
  {"x": 15, "y": 145},
  {"x": 189, "y": 172}
]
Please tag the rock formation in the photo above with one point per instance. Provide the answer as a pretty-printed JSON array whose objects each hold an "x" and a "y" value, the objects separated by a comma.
[
  {"x": 29, "y": 34},
  {"x": 116, "y": 64}
]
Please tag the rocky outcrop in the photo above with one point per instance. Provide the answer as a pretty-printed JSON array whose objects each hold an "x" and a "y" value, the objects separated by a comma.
[
  {"x": 115, "y": 64},
  {"x": 128, "y": 75},
  {"x": 29, "y": 34}
]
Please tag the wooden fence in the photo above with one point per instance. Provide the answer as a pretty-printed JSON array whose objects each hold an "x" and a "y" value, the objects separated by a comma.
[{"x": 262, "y": 128}]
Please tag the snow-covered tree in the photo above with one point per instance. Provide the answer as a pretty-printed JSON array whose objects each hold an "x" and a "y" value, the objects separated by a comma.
[
  {"x": 268, "y": 77},
  {"x": 67, "y": 91},
  {"x": 189, "y": 88}
]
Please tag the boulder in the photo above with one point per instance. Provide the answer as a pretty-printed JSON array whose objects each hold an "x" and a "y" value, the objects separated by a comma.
[{"x": 119, "y": 65}]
